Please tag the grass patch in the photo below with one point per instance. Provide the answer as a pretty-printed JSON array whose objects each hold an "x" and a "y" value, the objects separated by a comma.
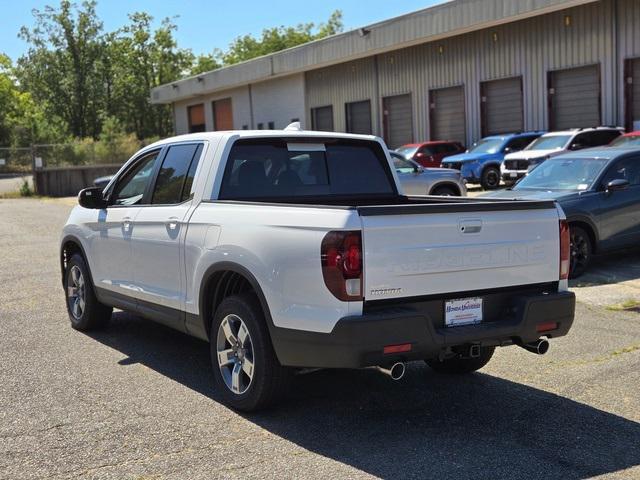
[{"x": 627, "y": 306}]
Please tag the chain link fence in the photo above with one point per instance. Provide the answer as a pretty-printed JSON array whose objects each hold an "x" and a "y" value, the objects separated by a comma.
[
  {"x": 15, "y": 160},
  {"x": 89, "y": 152}
]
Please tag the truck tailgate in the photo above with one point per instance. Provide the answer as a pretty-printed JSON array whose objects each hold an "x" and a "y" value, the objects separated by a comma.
[{"x": 417, "y": 250}]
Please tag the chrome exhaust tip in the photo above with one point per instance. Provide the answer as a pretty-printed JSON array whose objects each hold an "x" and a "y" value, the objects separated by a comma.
[
  {"x": 396, "y": 371},
  {"x": 539, "y": 347}
]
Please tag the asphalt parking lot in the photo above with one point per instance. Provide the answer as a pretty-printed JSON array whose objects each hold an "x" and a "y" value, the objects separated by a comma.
[{"x": 136, "y": 401}]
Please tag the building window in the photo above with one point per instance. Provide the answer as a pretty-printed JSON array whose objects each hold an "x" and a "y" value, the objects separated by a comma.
[
  {"x": 358, "y": 115},
  {"x": 196, "y": 118},
  {"x": 245, "y": 127},
  {"x": 322, "y": 118},
  {"x": 272, "y": 126},
  {"x": 260, "y": 126},
  {"x": 222, "y": 114}
]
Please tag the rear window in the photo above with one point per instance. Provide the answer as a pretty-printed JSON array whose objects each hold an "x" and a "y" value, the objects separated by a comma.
[{"x": 280, "y": 169}]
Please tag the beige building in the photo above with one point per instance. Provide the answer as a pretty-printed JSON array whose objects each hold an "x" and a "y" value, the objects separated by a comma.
[{"x": 455, "y": 71}]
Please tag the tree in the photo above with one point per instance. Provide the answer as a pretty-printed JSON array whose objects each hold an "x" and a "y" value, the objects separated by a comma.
[
  {"x": 60, "y": 70},
  {"x": 279, "y": 38}
]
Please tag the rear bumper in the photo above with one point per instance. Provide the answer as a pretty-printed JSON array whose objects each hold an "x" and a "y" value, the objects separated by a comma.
[{"x": 359, "y": 341}]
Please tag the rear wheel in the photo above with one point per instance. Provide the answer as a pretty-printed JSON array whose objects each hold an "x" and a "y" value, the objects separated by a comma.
[
  {"x": 581, "y": 250},
  {"x": 445, "y": 192},
  {"x": 462, "y": 365},
  {"x": 245, "y": 368},
  {"x": 85, "y": 311},
  {"x": 490, "y": 179}
]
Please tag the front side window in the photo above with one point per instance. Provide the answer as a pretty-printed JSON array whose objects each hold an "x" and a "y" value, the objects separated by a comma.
[
  {"x": 177, "y": 168},
  {"x": 520, "y": 143},
  {"x": 627, "y": 169},
  {"x": 130, "y": 189}
]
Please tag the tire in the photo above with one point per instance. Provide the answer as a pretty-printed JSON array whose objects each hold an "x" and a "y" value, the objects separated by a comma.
[
  {"x": 247, "y": 373},
  {"x": 445, "y": 192},
  {"x": 581, "y": 250},
  {"x": 462, "y": 365},
  {"x": 490, "y": 179},
  {"x": 84, "y": 309}
]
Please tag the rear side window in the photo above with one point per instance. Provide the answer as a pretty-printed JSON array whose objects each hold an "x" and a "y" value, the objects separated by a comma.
[
  {"x": 277, "y": 169},
  {"x": 176, "y": 174}
]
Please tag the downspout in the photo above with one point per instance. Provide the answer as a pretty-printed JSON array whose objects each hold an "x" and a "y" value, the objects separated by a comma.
[
  {"x": 251, "y": 107},
  {"x": 617, "y": 64},
  {"x": 378, "y": 100}
]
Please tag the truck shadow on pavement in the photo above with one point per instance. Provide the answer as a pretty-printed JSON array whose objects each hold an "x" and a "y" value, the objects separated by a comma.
[{"x": 425, "y": 426}]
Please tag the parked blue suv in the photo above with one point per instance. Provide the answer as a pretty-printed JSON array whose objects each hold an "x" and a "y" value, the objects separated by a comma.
[{"x": 481, "y": 163}]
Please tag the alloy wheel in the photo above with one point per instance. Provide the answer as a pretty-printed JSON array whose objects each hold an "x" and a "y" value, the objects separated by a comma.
[
  {"x": 235, "y": 354},
  {"x": 76, "y": 292},
  {"x": 579, "y": 252}
]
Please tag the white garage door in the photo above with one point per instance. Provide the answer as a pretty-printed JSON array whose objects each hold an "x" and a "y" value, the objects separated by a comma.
[
  {"x": 574, "y": 98},
  {"x": 398, "y": 120},
  {"x": 501, "y": 106},
  {"x": 446, "y": 107}
]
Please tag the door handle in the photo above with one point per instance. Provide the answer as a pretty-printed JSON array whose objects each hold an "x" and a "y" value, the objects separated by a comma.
[
  {"x": 126, "y": 224},
  {"x": 172, "y": 223}
]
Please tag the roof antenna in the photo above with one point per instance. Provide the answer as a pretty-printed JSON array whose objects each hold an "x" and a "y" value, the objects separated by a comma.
[{"x": 293, "y": 127}]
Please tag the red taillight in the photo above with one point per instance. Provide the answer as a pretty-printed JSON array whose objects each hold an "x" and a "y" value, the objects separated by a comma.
[
  {"x": 403, "y": 347},
  {"x": 546, "y": 327},
  {"x": 565, "y": 250},
  {"x": 341, "y": 256}
]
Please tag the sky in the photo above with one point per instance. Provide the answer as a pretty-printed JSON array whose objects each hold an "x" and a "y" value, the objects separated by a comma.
[{"x": 204, "y": 25}]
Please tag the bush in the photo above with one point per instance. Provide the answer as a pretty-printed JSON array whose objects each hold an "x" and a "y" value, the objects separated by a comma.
[{"x": 25, "y": 189}]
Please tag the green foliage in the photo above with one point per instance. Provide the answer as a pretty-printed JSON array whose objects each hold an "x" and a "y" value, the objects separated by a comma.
[
  {"x": 279, "y": 38},
  {"x": 77, "y": 81},
  {"x": 25, "y": 189}
]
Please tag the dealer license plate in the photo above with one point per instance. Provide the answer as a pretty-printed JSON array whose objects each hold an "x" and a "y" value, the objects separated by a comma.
[{"x": 462, "y": 311}]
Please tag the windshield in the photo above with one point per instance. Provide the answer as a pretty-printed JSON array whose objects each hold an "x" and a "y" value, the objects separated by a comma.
[
  {"x": 487, "y": 145},
  {"x": 553, "y": 142},
  {"x": 631, "y": 141},
  {"x": 407, "y": 151},
  {"x": 563, "y": 174}
]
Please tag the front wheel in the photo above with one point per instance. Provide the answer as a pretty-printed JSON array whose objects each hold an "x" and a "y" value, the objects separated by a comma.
[
  {"x": 85, "y": 311},
  {"x": 581, "y": 250},
  {"x": 490, "y": 179},
  {"x": 462, "y": 365},
  {"x": 245, "y": 368}
]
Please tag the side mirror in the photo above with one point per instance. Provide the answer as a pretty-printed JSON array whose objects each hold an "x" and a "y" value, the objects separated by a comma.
[
  {"x": 576, "y": 146},
  {"x": 617, "y": 184},
  {"x": 508, "y": 150},
  {"x": 417, "y": 169},
  {"x": 420, "y": 155},
  {"x": 92, "y": 198}
]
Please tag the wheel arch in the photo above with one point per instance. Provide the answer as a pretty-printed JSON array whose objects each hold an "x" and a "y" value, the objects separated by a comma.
[
  {"x": 69, "y": 246},
  {"x": 222, "y": 280},
  {"x": 588, "y": 226},
  {"x": 445, "y": 183}
]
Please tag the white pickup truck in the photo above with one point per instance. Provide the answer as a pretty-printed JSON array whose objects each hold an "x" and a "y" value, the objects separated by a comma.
[{"x": 291, "y": 249}]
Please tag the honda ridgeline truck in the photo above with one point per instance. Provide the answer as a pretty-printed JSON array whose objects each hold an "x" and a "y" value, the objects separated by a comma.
[{"x": 291, "y": 249}]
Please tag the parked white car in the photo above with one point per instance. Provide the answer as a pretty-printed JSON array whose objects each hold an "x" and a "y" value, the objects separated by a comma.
[
  {"x": 418, "y": 180},
  {"x": 293, "y": 249},
  {"x": 516, "y": 165}
]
